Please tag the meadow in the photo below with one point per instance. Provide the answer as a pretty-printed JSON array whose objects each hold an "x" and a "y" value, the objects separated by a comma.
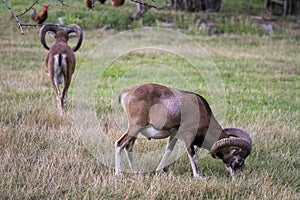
[{"x": 256, "y": 76}]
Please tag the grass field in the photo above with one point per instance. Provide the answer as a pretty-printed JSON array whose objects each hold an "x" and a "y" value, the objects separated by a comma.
[{"x": 45, "y": 156}]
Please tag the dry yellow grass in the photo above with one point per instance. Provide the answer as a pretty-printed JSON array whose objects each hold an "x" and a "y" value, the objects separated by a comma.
[{"x": 42, "y": 155}]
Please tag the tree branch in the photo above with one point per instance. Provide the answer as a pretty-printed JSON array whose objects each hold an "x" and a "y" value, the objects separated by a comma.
[
  {"x": 15, "y": 15},
  {"x": 147, "y": 5},
  {"x": 62, "y": 3},
  {"x": 27, "y": 9},
  {"x": 35, "y": 25}
]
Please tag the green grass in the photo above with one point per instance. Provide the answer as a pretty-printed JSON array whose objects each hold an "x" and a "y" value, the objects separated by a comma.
[{"x": 45, "y": 156}]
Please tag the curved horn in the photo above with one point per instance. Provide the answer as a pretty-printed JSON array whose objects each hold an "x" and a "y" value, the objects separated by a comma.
[
  {"x": 239, "y": 133},
  {"x": 76, "y": 29},
  {"x": 242, "y": 140},
  {"x": 45, "y": 28}
]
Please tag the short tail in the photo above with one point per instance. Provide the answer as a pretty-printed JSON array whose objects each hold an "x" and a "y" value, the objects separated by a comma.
[
  {"x": 60, "y": 67},
  {"x": 59, "y": 59},
  {"x": 120, "y": 97}
]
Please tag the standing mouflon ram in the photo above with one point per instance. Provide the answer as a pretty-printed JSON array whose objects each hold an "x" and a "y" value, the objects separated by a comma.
[{"x": 60, "y": 61}]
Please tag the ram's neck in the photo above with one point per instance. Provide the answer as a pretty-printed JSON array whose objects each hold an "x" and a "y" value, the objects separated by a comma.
[{"x": 213, "y": 134}]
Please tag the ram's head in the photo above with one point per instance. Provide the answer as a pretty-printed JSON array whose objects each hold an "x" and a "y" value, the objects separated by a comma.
[
  {"x": 233, "y": 150},
  {"x": 62, "y": 34}
]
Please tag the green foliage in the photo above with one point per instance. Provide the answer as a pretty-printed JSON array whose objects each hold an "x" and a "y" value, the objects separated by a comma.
[
  {"x": 237, "y": 25},
  {"x": 150, "y": 17},
  {"x": 235, "y": 17}
]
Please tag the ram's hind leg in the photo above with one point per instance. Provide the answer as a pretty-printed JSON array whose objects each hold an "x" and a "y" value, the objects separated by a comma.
[
  {"x": 56, "y": 79},
  {"x": 65, "y": 92},
  {"x": 129, "y": 154},
  {"x": 125, "y": 141},
  {"x": 67, "y": 77},
  {"x": 55, "y": 86}
]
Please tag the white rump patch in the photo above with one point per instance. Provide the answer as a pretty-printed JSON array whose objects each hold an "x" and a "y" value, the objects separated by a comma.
[{"x": 60, "y": 70}]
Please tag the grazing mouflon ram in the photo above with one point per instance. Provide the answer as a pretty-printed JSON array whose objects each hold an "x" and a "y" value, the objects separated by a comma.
[
  {"x": 60, "y": 61},
  {"x": 158, "y": 112}
]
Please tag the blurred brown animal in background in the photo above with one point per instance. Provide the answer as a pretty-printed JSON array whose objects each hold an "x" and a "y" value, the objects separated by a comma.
[
  {"x": 89, "y": 3},
  {"x": 117, "y": 3}
]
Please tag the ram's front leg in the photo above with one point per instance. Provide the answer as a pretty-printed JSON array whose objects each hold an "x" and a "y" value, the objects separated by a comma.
[
  {"x": 188, "y": 138},
  {"x": 192, "y": 158},
  {"x": 170, "y": 146}
]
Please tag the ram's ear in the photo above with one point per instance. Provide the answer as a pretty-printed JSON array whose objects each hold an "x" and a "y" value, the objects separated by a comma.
[
  {"x": 235, "y": 151},
  {"x": 74, "y": 28},
  {"x": 71, "y": 36},
  {"x": 51, "y": 34},
  {"x": 220, "y": 155}
]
